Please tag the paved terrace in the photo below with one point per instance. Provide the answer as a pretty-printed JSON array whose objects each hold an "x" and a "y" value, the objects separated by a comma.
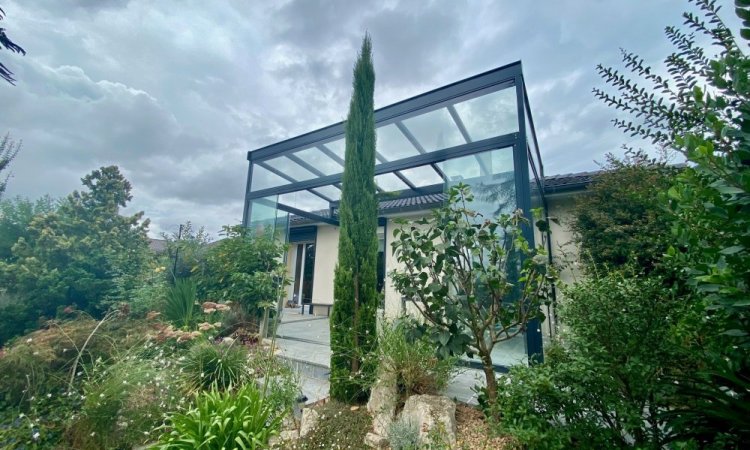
[{"x": 304, "y": 341}]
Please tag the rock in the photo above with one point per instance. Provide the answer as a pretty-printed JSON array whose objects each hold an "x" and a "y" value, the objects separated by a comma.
[
  {"x": 432, "y": 412},
  {"x": 382, "y": 403},
  {"x": 354, "y": 408},
  {"x": 310, "y": 419},
  {"x": 375, "y": 440}
]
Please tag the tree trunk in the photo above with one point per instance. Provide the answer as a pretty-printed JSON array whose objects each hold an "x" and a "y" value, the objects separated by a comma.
[{"x": 490, "y": 378}]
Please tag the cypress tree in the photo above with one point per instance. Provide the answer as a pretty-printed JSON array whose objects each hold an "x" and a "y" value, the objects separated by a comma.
[{"x": 353, "y": 321}]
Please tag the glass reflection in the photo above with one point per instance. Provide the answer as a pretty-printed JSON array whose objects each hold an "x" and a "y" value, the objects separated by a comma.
[
  {"x": 320, "y": 161},
  {"x": 435, "y": 130},
  {"x": 290, "y": 168},
  {"x": 490, "y": 115},
  {"x": 264, "y": 179}
]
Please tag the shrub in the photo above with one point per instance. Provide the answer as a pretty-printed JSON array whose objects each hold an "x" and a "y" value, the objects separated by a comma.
[
  {"x": 413, "y": 361},
  {"x": 181, "y": 308},
  {"x": 206, "y": 365},
  {"x": 403, "y": 435},
  {"x": 223, "y": 419},
  {"x": 125, "y": 401},
  {"x": 606, "y": 388}
]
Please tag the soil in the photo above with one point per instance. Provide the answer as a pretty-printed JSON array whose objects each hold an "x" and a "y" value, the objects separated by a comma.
[{"x": 472, "y": 431}]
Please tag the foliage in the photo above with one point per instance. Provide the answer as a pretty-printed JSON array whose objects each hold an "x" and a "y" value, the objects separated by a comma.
[
  {"x": 604, "y": 388},
  {"x": 223, "y": 419},
  {"x": 413, "y": 361},
  {"x": 403, "y": 435},
  {"x": 337, "y": 427},
  {"x": 125, "y": 401},
  {"x": 186, "y": 250},
  {"x": 621, "y": 218},
  {"x": 6, "y": 43},
  {"x": 85, "y": 254},
  {"x": 209, "y": 365},
  {"x": 180, "y": 307},
  {"x": 711, "y": 201},
  {"x": 353, "y": 333},
  {"x": 8, "y": 150},
  {"x": 16, "y": 215},
  {"x": 460, "y": 272},
  {"x": 244, "y": 269}
]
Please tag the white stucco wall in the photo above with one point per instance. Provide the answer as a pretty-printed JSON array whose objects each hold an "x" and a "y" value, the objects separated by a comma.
[{"x": 326, "y": 256}]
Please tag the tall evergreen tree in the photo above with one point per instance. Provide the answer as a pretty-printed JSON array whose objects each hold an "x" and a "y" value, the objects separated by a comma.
[{"x": 353, "y": 333}]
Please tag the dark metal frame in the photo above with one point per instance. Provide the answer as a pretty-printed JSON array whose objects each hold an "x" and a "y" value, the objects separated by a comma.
[{"x": 523, "y": 157}]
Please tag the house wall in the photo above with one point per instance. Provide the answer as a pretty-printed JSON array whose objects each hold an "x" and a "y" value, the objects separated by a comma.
[{"x": 326, "y": 256}]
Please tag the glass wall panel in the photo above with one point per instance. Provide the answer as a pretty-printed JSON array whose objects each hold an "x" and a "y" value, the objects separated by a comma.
[
  {"x": 266, "y": 220},
  {"x": 490, "y": 176},
  {"x": 290, "y": 168},
  {"x": 320, "y": 161},
  {"x": 435, "y": 130},
  {"x": 264, "y": 179},
  {"x": 393, "y": 145},
  {"x": 490, "y": 115}
]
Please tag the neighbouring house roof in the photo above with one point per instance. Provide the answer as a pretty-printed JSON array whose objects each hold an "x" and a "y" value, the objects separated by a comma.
[{"x": 569, "y": 182}]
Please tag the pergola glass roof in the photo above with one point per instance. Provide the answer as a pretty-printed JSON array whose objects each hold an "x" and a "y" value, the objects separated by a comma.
[{"x": 423, "y": 144}]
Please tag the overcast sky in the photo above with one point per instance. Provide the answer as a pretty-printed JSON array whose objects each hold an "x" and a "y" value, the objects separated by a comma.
[{"x": 176, "y": 92}]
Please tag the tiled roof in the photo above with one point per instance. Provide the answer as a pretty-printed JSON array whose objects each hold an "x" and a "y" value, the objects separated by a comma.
[
  {"x": 552, "y": 184},
  {"x": 568, "y": 181}
]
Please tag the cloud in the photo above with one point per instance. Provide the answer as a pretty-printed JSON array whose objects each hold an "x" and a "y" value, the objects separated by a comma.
[{"x": 176, "y": 92}]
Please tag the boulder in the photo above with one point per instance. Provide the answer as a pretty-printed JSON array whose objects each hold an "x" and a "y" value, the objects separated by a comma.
[
  {"x": 310, "y": 419},
  {"x": 432, "y": 413},
  {"x": 382, "y": 403},
  {"x": 375, "y": 441}
]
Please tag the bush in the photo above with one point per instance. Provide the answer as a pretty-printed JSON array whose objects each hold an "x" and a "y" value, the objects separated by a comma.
[
  {"x": 403, "y": 435},
  {"x": 181, "y": 308},
  {"x": 607, "y": 387},
  {"x": 206, "y": 365},
  {"x": 413, "y": 361},
  {"x": 222, "y": 419},
  {"x": 125, "y": 401}
]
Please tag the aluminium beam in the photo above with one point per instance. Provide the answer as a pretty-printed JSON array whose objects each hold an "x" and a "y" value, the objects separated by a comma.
[{"x": 494, "y": 143}]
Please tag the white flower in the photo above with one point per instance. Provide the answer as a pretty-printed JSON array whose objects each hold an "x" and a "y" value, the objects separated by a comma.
[
  {"x": 49, "y": 395},
  {"x": 28, "y": 340},
  {"x": 35, "y": 436}
]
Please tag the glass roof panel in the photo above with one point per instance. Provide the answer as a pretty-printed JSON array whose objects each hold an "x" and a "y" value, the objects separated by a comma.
[
  {"x": 422, "y": 176},
  {"x": 264, "y": 179},
  {"x": 435, "y": 130},
  {"x": 290, "y": 168},
  {"x": 320, "y": 161},
  {"x": 392, "y": 143},
  {"x": 483, "y": 164},
  {"x": 390, "y": 182},
  {"x": 330, "y": 191},
  {"x": 338, "y": 147},
  {"x": 304, "y": 200},
  {"x": 489, "y": 115}
]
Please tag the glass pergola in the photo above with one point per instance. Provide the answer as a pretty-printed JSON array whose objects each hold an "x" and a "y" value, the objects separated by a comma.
[{"x": 478, "y": 131}]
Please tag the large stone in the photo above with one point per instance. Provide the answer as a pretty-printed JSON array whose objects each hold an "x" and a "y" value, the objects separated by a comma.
[
  {"x": 375, "y": 441},
  {"x": 382, "y": 403},
  {"x": 310, "y": 419},
  {"x": 433, "y": 414}
]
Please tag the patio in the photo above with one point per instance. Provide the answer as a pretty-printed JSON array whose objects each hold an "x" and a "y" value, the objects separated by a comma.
[{"x": 303, "y": 341}]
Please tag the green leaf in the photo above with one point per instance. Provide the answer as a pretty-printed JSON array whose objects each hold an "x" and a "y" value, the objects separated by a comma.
[{"x": 732, "y": 250}]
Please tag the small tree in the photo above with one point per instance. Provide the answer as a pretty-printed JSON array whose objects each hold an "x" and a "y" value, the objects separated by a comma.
[
  {"x": 355, "y": 293},
  {"x": 475, "y": 280}
]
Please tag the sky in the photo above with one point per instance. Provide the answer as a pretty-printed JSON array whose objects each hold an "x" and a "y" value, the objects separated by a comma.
[{"x": 176, "y": 93}]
